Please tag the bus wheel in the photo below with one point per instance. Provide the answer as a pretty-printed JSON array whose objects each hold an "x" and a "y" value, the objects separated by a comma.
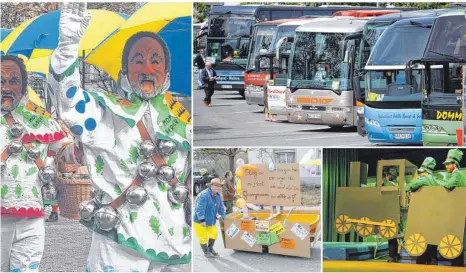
[
  {"x": 416, "y": 245},
  {"x": 364, "y": 229},
  {"x": 342, "y": 225},
  {"x": 390, "y": 231},
  {"x": 241, "y": 92},
  {"x": 450, "y": 247}
]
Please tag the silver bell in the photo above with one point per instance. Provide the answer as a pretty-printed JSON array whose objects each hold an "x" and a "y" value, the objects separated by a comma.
[
  {"x": 147, "y": 170},
  {"x": 177, "y": 194},
  {"x": 166, "y": 147},
  {"x": 87, "y": 209},
  {"x": 47, "y": 175},
  {"x": 33, "y": 153},
  {"x": 3, "y": 166},
  {"x": 107, "y": 218},
  {"x": 165, "y": 173},
  {"x": 146, "y": 149},
  {"x": 16, "y": 147},
  {"x": 136, "y": 195},
  {"x": 16, "y": 129},
  {"x": 49, "y": 193}
]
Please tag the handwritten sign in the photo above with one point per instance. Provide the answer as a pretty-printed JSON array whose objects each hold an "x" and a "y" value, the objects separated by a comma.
[
  {"x": 299, "y": 231},
  {"x": 287, "y": 243},
  {"x": 279, "y": 187},
  {"x": 277, "y": 228},
  {"x": 247, "y": 225},
  {"x": 267, "y": 238},
  {"x": 247, "y": 237},
  {"x": 262, "y": 225},
  {"x": 232, "y": 231}
]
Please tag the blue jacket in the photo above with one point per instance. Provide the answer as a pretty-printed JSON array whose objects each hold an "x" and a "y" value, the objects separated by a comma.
[{"x": 207, "y": 207}]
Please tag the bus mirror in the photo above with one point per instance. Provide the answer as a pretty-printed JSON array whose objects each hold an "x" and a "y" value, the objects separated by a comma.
[
  {"x": 408, "y": 74},
  {"x": 357, "y": 88}
]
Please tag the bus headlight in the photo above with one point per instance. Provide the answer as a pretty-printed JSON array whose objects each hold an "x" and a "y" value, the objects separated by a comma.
[
  {"x": 360, "y": 110},
  {"x": 372, "y": 122},
  {"x": 433, "y": 129}
]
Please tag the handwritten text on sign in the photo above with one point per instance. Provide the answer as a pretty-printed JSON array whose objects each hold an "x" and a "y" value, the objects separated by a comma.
[{"x": 279, "y": 187}]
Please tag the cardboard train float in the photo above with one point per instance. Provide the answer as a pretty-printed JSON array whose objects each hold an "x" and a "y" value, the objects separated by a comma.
[{"x": 433, "y": 215}]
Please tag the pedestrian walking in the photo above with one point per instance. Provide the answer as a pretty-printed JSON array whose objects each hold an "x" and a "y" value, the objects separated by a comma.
[
  {"x": 199, "y": 62},
  {"x": 209, "y": 77}
]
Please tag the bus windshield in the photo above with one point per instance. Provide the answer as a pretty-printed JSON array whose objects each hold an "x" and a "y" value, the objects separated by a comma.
[
  {"x": 390, "y": 85},
  {"x": 230, "y": 26},
  {"x": 445, "y": 90},
  {"x": 317, "y": 62},
  {"x": 283, "y": 31},
  {"x": 400, "y": 44},
  {"x": 370, "y": 35},
  {"x": 228, "y": 50},
  {"x": 261, "y": 43},
  {"x": 448, "y": 38}
]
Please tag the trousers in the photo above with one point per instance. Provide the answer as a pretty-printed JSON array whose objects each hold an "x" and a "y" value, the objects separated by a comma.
[
  {"x": 106, "y": 255},
  {"x": 209, "y": 92},
  {"x": 23, "y": 242},
  {"x": 199, "y": 78},
  {"x": 204, "y": 233}
]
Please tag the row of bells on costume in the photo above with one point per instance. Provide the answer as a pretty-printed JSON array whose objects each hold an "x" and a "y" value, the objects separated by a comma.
[{"x": 107, "y": 218}]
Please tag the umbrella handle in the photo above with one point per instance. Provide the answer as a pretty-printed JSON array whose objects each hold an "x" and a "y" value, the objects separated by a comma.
[{"x": 40, "y": 38}]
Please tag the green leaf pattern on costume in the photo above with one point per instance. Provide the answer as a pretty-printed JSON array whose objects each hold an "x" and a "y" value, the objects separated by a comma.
[
  {"x": 129, "y": 106},
  {"x": 35, "y": 192},
  {"x": 181, "y": 177},
  {"x": 176, "y": 206},
  {"x": 24, "y": 156},
  {"x": 132, "y": 216},
  {"x": 4, "y": 191},
  {"x": 185, "y": 232},
  {"x": 124, "y": 166},
  {"x": 15, "y": 171},
  {"x": 157, "y": 206},
  {"x": 31, "y": 171},
  {"x": 32, "y": 120},
  {"x": 167, "y": 123},
  {"x": 99, "y": 165},
  {"x": 3, "y": 121},
  {"x": 117, "y": 190},
  {"x": 172, "y": 159},
  {"x": 163, "y": 187},
  {"x": 171, "y": 231},
  {"x": 133, "y": 154},
  {"x": 155, "y": 225},
  {"x": 18, "y": 191}
]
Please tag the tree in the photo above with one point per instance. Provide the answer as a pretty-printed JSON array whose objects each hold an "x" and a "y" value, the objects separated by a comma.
[
  {"x": 219, "y": 160},
  {"x": 201, "y": 11}
]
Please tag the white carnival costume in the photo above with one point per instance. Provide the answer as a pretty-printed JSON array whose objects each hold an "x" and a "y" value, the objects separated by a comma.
[
  {"x": 28, "y": 134},
  {"x": 138, "y": 156}
]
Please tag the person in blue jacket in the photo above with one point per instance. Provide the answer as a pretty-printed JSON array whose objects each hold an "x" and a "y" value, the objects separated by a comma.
[{"x": 209, "y": 207}]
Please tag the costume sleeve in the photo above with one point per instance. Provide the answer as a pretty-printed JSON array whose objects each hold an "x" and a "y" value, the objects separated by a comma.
[
  {"x": 451, "y": 182},
  {"x": 201, "y": 204},
  {"x": 75, "y": 106},
  {"x": 414, "y": 185}
]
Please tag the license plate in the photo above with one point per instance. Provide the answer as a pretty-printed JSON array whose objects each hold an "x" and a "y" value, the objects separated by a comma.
[
  {"x": 227, "y": 86},
  {"x": 314, "y": 116},
  {"x": 402, "y": 136}
]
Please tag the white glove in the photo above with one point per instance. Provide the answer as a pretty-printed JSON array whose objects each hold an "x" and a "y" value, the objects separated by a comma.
[{"x": 74, "y": 20}]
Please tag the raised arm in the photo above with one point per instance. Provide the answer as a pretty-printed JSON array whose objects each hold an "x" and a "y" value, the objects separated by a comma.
[{"x": 75, "y": 106}]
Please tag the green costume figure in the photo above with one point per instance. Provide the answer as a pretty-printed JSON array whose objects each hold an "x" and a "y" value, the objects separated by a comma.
[
  {"x": 425, "y": 176},
  {"x": 391, "y": 178},
  {"x": 455, "y": 179}
]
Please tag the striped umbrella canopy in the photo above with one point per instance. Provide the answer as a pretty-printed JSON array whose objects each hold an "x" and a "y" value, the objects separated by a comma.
[
  {"x": 38, "y": 37},
  {"x": 172, "y": 22},
  {"x": 4, "y": 32}
]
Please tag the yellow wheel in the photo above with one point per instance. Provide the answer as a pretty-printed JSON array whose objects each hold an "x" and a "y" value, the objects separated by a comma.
[
  {"x": 416, "y": 245},
  {"x": 450, "y": 247},
  {"x": 364, "y": 229},
  {"x": 342, "y": 225},
  {"x": 388, "y": 232}
]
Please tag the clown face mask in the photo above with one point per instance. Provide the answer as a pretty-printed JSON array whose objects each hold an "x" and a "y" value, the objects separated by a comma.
[
  {"x": 12, "y": 85},
  {"x": 147, "y": 68}
]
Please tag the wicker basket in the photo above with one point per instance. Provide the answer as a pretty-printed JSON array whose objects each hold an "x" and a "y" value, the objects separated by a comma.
[{"x": 74, "y": 186}]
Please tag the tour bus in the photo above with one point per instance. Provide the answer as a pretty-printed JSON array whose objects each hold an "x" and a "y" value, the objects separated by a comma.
[
  {"x": 443, "y": 59},
  {"x": 199, "y": 36},
  {"x": 263, "y": 39},
  {"x": 392, "y": 108},
  {"x": 319, "y": 87},
  {"x": 229, "y": 31}
]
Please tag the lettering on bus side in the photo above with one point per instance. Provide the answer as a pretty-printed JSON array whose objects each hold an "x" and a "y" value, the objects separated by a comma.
[
  {"x": 449, "y": 115},
  {"x": 314, "y": 100}
]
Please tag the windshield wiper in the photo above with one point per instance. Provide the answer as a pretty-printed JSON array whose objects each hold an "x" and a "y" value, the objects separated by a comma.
[
  {"x": 414, "y": 23},
  {"x": 448, "y": 56},
  {"x": 296, "y": 87}
]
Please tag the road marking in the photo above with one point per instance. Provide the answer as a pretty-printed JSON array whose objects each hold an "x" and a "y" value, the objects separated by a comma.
[
  {"x": 240, "y": 112},
  {"x": 312, "y": 136}
]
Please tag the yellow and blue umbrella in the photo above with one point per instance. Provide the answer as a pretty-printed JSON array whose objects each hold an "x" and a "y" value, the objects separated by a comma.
[
  {"x": 172, "y": 22},
  {"x": 4, "y": 32},
  {"x": 38, "y": 37}
]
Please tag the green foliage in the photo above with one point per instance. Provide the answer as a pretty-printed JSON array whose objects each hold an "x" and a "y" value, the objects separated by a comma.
[
  {"x": 201, "y": 12},
  {"x": 154, "y": 224},
  {"x": 15, "y": 171},
  {"x": 133, "y": 154},
  {"x": 99, "y": 165},
  {"x": 18, "y": 191},
  {"x": 132, "y": 216},
  {"x": 4, "y": 191},
  {"x": 35, "y": 192},
  {"x": 117, "y": 190}
]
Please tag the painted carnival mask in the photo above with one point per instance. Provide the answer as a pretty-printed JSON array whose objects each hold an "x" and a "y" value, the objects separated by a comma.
[{"x": 12, "y": 85}]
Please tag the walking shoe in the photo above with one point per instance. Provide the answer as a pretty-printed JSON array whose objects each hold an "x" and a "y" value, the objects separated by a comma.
[
  {"x": 211, "y": 247},
  {"x": 209, "y": 105},
  {"x": 205, "y": 102},
  {"x": 206, "y": 251},
  {"x": 53, "y": 217}
]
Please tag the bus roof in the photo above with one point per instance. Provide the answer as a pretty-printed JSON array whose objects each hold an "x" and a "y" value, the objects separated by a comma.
[
  {"x": 365, "y": 13},
  {"x": 335, "y": 25},
  {"x": 407, "y": 14},
  {"x": 276, "y": 22},
  {"x": 302, "y": 21}
]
